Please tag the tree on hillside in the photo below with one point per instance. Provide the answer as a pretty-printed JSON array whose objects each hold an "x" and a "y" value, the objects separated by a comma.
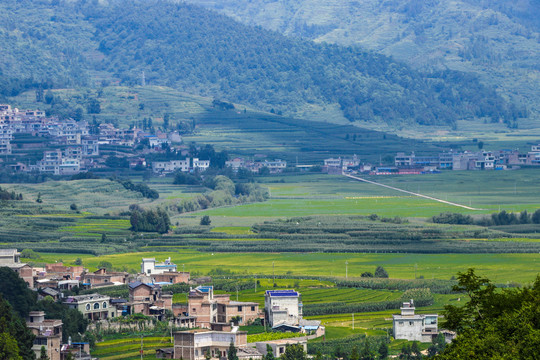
[
  {"x": 15, "y": 291},
  {"x": 495, "y": 323},
  {"x": 9, "y": 348},
  {"x": 380, "y": 272},
  {"x": 205, "y": 220},
  {"x": 13, "y": 328}
]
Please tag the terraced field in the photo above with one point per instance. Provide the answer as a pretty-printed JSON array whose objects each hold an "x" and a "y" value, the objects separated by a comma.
[{"x": 129, "y": 348}]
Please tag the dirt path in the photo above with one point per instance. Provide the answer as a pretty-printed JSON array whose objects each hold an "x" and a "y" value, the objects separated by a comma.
[{"x": 410, "y": 192}]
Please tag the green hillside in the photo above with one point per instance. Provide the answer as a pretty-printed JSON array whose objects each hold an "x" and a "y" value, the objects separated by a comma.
[
  {"x": 495, "y": 39},
  {"x": 189, "y": 48}
]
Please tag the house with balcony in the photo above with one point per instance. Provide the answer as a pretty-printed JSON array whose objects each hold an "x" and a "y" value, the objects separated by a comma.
[{"x": 92, "y": 306}]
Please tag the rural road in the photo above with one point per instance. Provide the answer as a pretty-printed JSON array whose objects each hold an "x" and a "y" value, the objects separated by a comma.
[{"x": 410, "y": 192}]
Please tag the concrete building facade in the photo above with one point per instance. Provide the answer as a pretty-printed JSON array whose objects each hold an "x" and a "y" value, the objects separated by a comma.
[
  {"x": 194, "y": 344},
  {"x": 282, "y": 307},
  {"x": 412, "y": 327}
]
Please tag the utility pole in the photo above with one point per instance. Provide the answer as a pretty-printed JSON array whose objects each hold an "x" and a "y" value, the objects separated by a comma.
[
  {"x": 346, "y": 269},
  {"x": 273, "y": 273},
  {"x": 143, "y": 80},
  {"x": 141, "y": 347}
]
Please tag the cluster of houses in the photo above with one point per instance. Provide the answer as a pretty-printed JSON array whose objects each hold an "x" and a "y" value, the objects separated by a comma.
[
  {"x": 474, "y": 160},
  {"x": 74, "y": 146},
  {"x": 405, "y": 164},
  {"x": 210, "y": 317},
  {"x": 274, "y": 167}
]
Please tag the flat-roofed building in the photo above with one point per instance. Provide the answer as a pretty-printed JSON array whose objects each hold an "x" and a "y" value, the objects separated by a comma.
[
  {"x": 92, "y": 306},
  {"x": 413, "y": 327},
  {"x": 195, "y": 344},
  {"x": 282, "y": 307},
  {"x": 48, "y": 334}
]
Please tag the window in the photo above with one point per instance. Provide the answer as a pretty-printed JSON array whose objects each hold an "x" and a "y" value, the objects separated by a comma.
[
  {"x": 239, "y": 308},
  {"x": 281, "y": 350},
  {"x": 410, "y": 323},
  {"x": 253, "y": 308},
  {"x": 96, "y": 306},
  {"x": 87, "y": 307},
  {"x": 104, "y": 305}
]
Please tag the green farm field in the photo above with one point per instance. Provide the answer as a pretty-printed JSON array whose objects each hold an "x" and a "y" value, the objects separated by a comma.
[{"x": 500, "y": 268}]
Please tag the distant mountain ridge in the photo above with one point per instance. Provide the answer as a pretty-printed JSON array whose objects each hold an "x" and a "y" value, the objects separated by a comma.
[
  {"x": 197, "y": 50},
  {"x": 496, "y": 39}
]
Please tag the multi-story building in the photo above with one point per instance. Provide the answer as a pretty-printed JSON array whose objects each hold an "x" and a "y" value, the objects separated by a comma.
[
  {"x": 165, "y": 272},
  {"x": 276, "y": 166},
  {"x": 195, "y": 344},
  {"x": 218, "y": 308},
  {"x": 282, "y": 307},
  {"x": 90, "y": 146},
  {"x": 148, "y": 299},
  {"x": 48, "y": 334},
  {"x": 412, "y": 327},
  {"x": 11, "y": 258},
  {"x": 92, "y": 306},
  {"x": 150, "y": 267},
  {"x": 102, "y": 277},
  {"x": 164, "y": 167}
]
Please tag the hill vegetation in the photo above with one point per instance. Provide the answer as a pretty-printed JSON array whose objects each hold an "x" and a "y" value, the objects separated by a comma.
[
  {"x": 183, "y": 46},
  {"x": 494, "y": 39}
]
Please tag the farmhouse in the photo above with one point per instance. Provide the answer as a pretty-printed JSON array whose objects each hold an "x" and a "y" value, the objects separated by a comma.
[
  {"x": 194, "y": 344},
  {"x": 148, "y": 299},
  {"x": 102, "y": 277},
  {"x": 283, "y": 307},
  {"x": 11, "y": 258},
  {"x": 48, "y": 334},
  {"x": 413, "y": 327},
  {"x": 92, "y": 306},
  {"x": 210, "y": 308}
]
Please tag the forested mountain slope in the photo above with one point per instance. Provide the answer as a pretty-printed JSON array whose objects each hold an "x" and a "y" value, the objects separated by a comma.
[
  {"x": 196, "y": 50},
  {"x": 497, "y": 39}
]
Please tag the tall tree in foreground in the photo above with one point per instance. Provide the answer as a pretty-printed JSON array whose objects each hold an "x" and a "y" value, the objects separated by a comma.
[
  {"x": 16, "y": 340},
  {"x": 495, "y": 323}
]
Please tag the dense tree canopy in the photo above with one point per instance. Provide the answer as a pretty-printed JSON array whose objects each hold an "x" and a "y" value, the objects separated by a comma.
[
  {"x": 197, "y": 50},
  {"x": 495, "y": 323}
]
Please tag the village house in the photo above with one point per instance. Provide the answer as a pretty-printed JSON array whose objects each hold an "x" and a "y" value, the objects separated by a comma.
[
  {"x": 161, "y": 273},
  {"x": 67, "y": 272},
  {"x": 48, "y": 334},
  {"x": 92, "y": 306},
  {"x": 195, "y": 344},
  {"x": 213, "y": 308},
  {"x": 148, "y": 299},
  {"x": 102, "y": 277},
  {"x": 412, "y": 327},
  {"x": 11, "y": 258},
  {"x": 282, "y": 307}
]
